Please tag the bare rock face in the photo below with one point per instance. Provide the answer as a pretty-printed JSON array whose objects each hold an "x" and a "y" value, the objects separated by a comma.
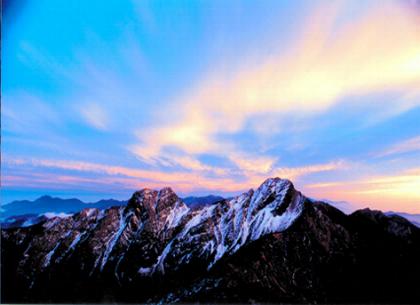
[{"x": 268, "y": 245}]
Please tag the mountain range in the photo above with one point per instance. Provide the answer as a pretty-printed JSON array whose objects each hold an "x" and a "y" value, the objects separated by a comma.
[
  {"x": 48, "y": 204},
  {"x": 23, "y": 213},
  {"x": 271, "y": 245}
]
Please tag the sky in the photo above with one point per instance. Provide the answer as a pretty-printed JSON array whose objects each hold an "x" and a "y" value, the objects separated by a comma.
[{"x": 212, "y": 97}]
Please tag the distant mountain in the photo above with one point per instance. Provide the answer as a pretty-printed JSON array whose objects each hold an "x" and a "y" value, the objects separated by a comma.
[
  {"x": 414, "y": 218},
  {"x": 48, "y": 204},
  {"x": 269, "y": 245},
  {"x": 19, "y": 211},
  {"x": 343, "y": 206},
  {"x": 199, "y": 202},
  {"x": 347, "y": 208}
]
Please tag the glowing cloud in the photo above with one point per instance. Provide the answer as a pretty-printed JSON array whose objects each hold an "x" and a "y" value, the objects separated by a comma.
[
  {"x": 330, "y": 61},
  {"x": 409, "y": 145},
  {"x": 380, "y": 192},
  {"x": 183, "y": 181}
]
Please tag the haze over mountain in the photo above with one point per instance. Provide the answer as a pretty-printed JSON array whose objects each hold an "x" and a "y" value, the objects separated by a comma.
[
  {"x": 271, "y": 244},
  {"x": 22, "y": 213},
  {"x": 413, "y": 218},
  {"x": 48, "y": 204}
]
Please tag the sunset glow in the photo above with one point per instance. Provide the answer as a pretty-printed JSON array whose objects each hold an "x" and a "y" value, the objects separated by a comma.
[{"x": 213, "y": 98}]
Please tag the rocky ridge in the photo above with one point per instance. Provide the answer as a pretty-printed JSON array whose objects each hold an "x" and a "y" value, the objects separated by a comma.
[{"x": 271, "y": 244}]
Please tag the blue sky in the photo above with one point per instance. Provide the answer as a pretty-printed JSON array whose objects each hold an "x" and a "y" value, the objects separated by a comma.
[{"x": 212, "y": 97}]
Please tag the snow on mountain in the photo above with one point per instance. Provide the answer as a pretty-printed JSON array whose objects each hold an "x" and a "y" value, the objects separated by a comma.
[
  {"x": 273, "y": 238},
  {"x": 208, "y": 234}
]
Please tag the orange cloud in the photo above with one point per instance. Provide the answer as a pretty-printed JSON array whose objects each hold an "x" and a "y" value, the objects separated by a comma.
[
  {"x": 387, "y": 192},
  {"x": 296, "y": 172},
  {"x": 378, "y": 51},
  {"x": 409, "y": 145},
  {"x": 251, "y": 164},
  {"x": 135, "y": 178}
]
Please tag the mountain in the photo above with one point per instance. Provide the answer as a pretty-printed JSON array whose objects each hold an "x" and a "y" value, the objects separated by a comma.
[
  {"x": 270, "y": 245},
  {"x": 22, "y": 221},
  {"x": 347, "y": 208},
  {"x": 23, "y": 213},
  {"x": 198, "y": 202},
  {"x": 48, "y": 204},
  {"x": 413, "y": 218},
  {"x": 27, "y": 220}
]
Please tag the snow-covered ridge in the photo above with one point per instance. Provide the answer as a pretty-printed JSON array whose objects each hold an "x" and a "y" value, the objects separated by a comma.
[
  {"x": 230, "y": 224},
  {"x": 156, "y": 232}
]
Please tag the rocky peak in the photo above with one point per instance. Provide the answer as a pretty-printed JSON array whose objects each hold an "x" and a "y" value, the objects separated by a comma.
[
  {"x": 154, "y": 205},
  {"x": 272, "y": 240},
  {"x": 167, "y": 199},
  {"x": 143, "y": 203},
  {"x": 272, "y": 191}
]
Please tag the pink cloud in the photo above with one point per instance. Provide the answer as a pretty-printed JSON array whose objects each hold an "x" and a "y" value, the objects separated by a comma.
[
  {"x": 367, "y": 55},
  {"x": 128, "y": 178}
]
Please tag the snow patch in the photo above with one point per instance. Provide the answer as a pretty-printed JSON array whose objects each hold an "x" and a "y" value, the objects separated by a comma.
[
  {"x": 176, "y": 214},
  {"x": 59, "y": 215},
  {"x": 114, "y": 239},
  {"x": 50, "y": 254}
]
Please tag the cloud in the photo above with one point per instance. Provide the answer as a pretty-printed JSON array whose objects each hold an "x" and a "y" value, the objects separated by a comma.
[
  {"x": 297, "y": 172},
  {"x": 410, "y": 145},
  {"x": 252, "y": 164},
  {"x": 367, "y": 55},
  {"x": 183, "y": 181},
  {"x": 95, "y": 115},
  {"x": 18, "y": 113},
  {"x": 385, "y": 192}
]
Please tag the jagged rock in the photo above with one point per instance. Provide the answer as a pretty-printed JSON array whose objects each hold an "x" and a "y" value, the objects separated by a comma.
[{"x": 268, "y": 245}]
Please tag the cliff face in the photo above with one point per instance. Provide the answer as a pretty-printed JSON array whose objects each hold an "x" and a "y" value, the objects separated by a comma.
[{"x": 271, "y": 245}]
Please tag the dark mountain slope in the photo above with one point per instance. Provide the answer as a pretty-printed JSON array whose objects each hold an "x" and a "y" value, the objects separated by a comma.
[
  {"x": 324, "y": 257},
  {"x": 268, "y": 245}
]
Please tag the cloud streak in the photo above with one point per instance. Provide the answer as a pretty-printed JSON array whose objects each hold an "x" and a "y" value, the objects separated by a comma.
[
  {"x": 329, "y": 62},
  {"x": 410, "y": 145},
  {"x": 95, "y": 115},
  {"x": 385, "y": 192},
  {"x": 183, "y": 181}
]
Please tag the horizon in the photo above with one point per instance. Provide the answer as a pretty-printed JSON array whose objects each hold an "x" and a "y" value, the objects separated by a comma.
[
  {"x": 342, "y": 205},
  {"x": 212, "y": 98}
]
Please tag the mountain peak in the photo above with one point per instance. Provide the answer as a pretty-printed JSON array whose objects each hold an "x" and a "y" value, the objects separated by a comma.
[
  {"x": 157, "y": 208},
  {"x": 272, "y": 240},
  {"x": 166, "y": 190},
  {"x": 44, "y": 198},
  {"x": 276, "y": 182},
  {"x": 167, "y": 198},
  {"x": 152, "y": 199}
]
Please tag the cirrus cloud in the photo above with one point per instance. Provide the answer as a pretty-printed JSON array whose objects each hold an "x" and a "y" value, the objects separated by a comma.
[{"x": 329, "y": 62}]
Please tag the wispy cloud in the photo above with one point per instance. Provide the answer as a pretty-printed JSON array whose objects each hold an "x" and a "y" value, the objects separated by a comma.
[
  {"x": 17, "y": 113},
  {"x": 330, "y": 61},
  {"x": 410, "y": 145},
  {"x": 95, "y": 115},
  {"x": 297, "y": 172},
  {"x": 253, "y": 164},
  {"x": 385, "y": 192},
  {"x": 218, "y": 119},
  {"x": 183, "y": 181}
]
